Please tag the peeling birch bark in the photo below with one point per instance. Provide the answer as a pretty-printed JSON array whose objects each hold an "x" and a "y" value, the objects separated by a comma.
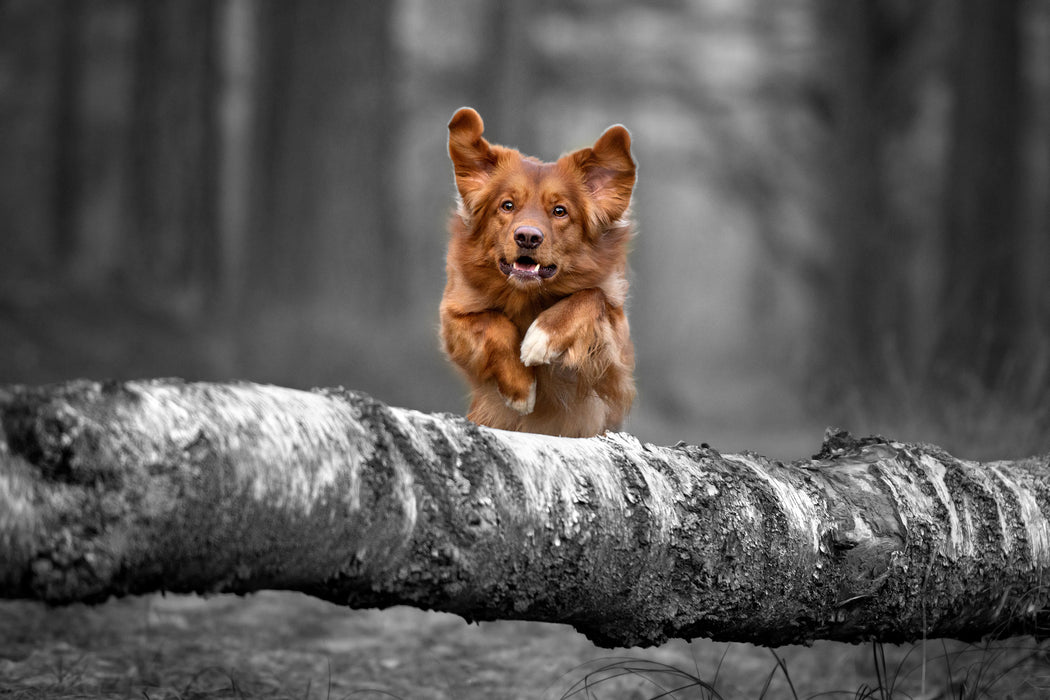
[{"x": 116, "y": 489}]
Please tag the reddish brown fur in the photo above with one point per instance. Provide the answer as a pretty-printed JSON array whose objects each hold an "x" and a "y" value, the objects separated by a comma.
[{"x": 547, "y": 355}]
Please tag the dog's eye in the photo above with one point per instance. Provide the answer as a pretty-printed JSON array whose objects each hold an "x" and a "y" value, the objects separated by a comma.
[
  {"x": 507, "y": 205},
  {"x": 560, "y": 211}
]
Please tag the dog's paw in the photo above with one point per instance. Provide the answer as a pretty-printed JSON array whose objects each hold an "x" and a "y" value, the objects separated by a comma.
[
  {"x": 536, "y": 347},
  {"x": 525, "y": 405}
]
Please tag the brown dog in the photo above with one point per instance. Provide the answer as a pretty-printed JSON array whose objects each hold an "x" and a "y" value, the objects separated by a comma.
[{"x": 533, "y": 310}]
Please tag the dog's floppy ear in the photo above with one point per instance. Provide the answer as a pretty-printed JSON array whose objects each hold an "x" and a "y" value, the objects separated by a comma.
[
  {"x": 609, "y": 172},
  {"x": 473, "y": 158}
]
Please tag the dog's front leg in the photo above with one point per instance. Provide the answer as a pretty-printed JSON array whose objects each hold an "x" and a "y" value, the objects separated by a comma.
[
  {"x": 486, "y": 346},
  {"x": 583, "y": 332},
  {"x": 588, "y": 334}
]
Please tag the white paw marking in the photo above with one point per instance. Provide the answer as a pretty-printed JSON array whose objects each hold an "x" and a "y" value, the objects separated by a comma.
[
  {"x": 524, "y": 407},
  {"x": 536, "y": 347}
]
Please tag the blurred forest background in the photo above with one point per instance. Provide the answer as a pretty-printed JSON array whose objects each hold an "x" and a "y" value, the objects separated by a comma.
[
  {"x": 843, "y": 206},
  {"x": 843, "y": 218}
]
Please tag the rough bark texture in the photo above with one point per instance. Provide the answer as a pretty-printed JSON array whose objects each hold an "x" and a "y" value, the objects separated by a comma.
[{"x": 112, "y": 489}]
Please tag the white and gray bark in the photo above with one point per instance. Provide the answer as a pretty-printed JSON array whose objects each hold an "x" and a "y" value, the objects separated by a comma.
[{"x": 127, "y": 488}]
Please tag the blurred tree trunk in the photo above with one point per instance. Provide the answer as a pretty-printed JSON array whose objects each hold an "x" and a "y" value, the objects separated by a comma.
[
  {"x": 32, "y": 59},
  {"x": 1036, "y": 174},
  {"x": 172, "y": 240},
  {"x": 863, "y": 310},
  {"x": 98, "y": 165},
  {"x": 982, "y": 304},
  {"x": 238, "y": 107},
  {"x": 324, "y": 223},
  {"x": 109, "y": 165},
  {"x": 67, "y": 130},
  {"x": 164, "y": 485},
  {"x": 505, "y": 96}
]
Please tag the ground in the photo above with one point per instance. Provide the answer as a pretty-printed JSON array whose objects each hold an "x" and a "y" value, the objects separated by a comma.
[{"x": 284, "y": 645}]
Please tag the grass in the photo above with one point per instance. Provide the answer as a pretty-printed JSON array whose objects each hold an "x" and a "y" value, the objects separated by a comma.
[
  {"x": 288, "y": 647},
  {"x": 1007, "y": 419},
  {"x": 989, "y": 671},
  {"x": 667, "y": 680}
]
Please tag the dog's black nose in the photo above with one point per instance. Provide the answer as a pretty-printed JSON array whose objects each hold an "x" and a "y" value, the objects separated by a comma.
[{"x": 528, "y": 237}]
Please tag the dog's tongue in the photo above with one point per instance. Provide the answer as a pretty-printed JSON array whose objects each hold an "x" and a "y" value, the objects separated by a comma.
[
  {"x": 527, "y": 265},
  {"x": 526, "y": 268}
]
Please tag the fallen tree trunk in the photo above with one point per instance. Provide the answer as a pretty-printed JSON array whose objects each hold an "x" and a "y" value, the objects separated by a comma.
[{"x": 114, "y": 489}]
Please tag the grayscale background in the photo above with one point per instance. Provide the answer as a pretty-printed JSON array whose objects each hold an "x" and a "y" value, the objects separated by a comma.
[{"x": 843, "y": 218}]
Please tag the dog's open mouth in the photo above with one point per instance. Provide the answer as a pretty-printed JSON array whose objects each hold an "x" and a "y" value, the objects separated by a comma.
[{"x": 525, "y": 268}]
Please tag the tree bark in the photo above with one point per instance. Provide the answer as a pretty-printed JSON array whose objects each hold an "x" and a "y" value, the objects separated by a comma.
[{"x": 114, "y": 489}]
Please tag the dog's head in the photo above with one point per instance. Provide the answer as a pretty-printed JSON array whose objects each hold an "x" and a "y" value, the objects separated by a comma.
[{"x": 542, "y": 227}]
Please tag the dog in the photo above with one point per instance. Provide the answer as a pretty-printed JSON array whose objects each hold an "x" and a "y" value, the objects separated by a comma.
[{"x": 533, "y": 308}]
